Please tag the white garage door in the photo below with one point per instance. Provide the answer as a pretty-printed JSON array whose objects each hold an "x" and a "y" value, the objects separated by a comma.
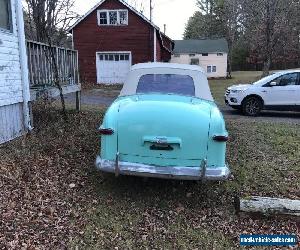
[{"x": 113, "y": 67}]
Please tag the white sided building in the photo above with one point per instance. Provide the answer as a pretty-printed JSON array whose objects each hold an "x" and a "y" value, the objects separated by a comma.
[
  {"x": 14, "y": 84},
  {"x": 210, "y": 54}
]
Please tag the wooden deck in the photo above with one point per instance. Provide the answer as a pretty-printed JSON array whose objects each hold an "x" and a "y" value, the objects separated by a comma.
[{"x": 42, "y": 61}]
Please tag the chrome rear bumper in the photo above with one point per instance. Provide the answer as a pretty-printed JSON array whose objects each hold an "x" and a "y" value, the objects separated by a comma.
[{"x": 181, "y": 173}]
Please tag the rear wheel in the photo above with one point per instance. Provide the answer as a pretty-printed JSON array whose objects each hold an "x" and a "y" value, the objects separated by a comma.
[{"x": 252, "y": 106}]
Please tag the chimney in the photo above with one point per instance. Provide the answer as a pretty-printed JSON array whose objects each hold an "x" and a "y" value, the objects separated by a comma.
[{"x": 165, "y": 28}]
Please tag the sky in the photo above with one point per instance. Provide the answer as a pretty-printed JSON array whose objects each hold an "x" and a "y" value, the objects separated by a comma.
[{"x": 173, "y": 13}]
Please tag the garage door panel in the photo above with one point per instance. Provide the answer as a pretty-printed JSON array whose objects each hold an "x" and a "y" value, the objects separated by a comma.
[{"x": 112, "y": 67}]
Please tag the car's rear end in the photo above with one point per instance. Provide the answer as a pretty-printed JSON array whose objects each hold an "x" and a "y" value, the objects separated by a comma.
[{"x": 164, "y": 135}]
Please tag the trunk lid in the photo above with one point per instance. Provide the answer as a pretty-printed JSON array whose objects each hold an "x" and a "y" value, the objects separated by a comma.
[{"x": 163, "y": 130}]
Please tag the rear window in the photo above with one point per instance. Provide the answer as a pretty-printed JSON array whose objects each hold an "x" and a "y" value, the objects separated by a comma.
[{"x": 166, "y": 84}]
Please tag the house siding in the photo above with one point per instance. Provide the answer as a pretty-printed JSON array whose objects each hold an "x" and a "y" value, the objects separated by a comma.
[
  {"x": 11, "y": 85},
  {"x": 89, "y": 38},
  {"x": 212, "y": 59},
  {"x": 10, "y": 68},
  {"x": 165, "y": 54},
  {"x": 11, "y": 122},
  {"x": 158, "y": 50}
]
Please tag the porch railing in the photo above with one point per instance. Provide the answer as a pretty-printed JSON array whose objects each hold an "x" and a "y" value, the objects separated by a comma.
[{"x": 42, "y": 59}]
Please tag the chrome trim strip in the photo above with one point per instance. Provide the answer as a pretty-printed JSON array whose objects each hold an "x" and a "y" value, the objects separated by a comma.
[
  {"x": 117, "y": 169},
  {"x": 203, "y": 169},
  {"x": 182, "y": 173}
]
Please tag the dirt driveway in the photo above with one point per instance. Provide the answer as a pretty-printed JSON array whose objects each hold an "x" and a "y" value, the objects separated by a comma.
[{"x": 98, "y": 96}]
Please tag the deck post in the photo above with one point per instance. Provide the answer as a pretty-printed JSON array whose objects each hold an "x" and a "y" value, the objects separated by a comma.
[{"x": 78, "y": 100}]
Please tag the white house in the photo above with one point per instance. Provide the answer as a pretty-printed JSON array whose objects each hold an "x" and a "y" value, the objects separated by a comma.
[
  {"x": 14, "y": 84},
  {"x": 210, "y": 54}
]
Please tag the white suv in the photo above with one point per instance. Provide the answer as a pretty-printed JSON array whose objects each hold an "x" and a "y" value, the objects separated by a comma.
[{"x": 279, "y": 91}]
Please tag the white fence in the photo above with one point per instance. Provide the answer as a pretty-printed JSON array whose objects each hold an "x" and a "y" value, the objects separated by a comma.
[{"x": 41, "y": 62}]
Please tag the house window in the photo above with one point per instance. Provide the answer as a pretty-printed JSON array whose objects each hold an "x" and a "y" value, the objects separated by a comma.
[
  {"x": 211, "y": 69},
  {"x": 191, "y": 55},
  {"x": 204, "y": 54},
  {"x": 219, "y": 54},
  {"x": 195, "y": 61},
  {"x": 113, "y": 17},
  {"x": 5, "y": 15}
]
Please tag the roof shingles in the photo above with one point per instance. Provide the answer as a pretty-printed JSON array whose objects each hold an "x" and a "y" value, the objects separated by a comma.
[{"x": 201, "y": 46}]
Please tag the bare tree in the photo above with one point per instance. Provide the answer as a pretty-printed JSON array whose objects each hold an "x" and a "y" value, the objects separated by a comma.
[
  {"x": 268, "y": 24},
  {"x": 49, "y": 18},
  {"x": 216, "y": 19},
  {"x": 48, "y": 21},
  {"x": 230, "y": 13},
  {"x": 139, "y": 5},
  {"x": 268, "y": 29}
]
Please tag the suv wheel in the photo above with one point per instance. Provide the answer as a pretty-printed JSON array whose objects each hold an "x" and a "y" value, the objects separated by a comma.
[{"x": 252, "y": 106}]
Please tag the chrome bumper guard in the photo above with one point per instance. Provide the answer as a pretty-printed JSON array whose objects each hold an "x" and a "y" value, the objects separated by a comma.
[{"x": 181, "y": 173}]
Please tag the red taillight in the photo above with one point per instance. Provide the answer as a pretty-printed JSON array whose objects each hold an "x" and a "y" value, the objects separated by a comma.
[
  {"x": 220, "y": 138},
  {"x": 106, "y": 131}
]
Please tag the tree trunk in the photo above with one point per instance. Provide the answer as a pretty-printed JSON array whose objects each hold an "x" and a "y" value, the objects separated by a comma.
[
  {"x": 267, "y": 206},
  {"x": 267, "y": 65},
  {"x": 229, "y": 70}
]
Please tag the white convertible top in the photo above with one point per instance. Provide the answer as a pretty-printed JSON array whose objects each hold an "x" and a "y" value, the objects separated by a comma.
[{"x": 197, "y": 73}]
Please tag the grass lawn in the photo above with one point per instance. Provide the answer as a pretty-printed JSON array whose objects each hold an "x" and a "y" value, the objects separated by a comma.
[{"x": 53, "y": 198}]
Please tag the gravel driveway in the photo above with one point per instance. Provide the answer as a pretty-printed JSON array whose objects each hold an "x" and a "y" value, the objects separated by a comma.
[{"x": 102, "y": 97}]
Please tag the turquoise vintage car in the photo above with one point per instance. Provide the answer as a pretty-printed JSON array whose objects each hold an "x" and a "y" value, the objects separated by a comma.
[{"x": 164, "y": 124}]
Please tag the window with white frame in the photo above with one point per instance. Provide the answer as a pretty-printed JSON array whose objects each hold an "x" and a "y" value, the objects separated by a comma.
[
  {"x": 102, "y": 18},
  {"x": 123, "y": 17},
  {"x": 211, "y": 69},
  {"x": 219, "y": 54},
  {"x": 5, "y": 16},
  {"x": 114, "y": 57},
  {"x": 112, "y": 17},
  {"x": 195, "y": 61}
]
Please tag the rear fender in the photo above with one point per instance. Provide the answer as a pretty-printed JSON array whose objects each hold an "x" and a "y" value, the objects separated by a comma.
[
  {"x": 109, "y": 143},
  {"x": 216, "y": 150}
]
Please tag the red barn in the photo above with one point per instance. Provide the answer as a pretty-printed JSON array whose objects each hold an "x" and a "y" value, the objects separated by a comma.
[{"x": 111, "y": 37}]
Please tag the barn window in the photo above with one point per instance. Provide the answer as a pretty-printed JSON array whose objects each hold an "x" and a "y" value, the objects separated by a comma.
[
  {"x": 113, "y": 17},
  {"x": 5, "y": 15},
  {"x": 103, "y": 17},
  {"x": 123, "y": 17}
]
